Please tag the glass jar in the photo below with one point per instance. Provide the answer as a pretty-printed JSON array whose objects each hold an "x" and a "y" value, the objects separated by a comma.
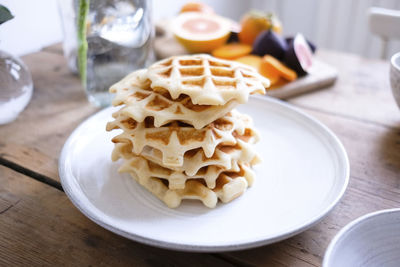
[
  {"x": 119, "y": 36},
  {"x": 16, "y": 87}
]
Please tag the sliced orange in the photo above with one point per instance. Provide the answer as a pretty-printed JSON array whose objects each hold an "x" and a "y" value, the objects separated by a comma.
[
  {"x": 201, "y": 32},
  {"x": 250, "y": 60},
  {"x": 232, "y": 51},
  {"x": 270, "y": 73},
  {"x": 272, "y": 66}
]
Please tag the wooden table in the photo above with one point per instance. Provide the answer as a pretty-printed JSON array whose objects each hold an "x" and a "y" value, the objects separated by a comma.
[{"x": 40, "y": 226}]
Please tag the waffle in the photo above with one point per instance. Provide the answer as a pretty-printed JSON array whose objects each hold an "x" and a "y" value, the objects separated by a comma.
[
  {"x": 229, "y": 186},
  {"x": 175, "y": 139},
  {"x": 180, "y": 135},
  {"x": 226, "y": 157},
  {"x": 142, "y": 102},
  {"x": 144, "y": 169},
  {"x": 205, "y": 79}
]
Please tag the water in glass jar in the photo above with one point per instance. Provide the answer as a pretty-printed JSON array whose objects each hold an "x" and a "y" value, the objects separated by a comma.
[
  {"x": 16, "y": 87},
  {"x": 119, "y": 37}
]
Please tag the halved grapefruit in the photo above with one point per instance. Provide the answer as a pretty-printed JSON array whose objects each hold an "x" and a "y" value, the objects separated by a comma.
[{"x": 201, "y": 32}]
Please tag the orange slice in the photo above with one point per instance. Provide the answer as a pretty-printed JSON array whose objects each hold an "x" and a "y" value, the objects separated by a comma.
[
  {"x": 271, "y": 66},
  {"x": 270, "y": 73},
  {"x": 250, "y": 60},
  {"x": 232, "y": 51}
]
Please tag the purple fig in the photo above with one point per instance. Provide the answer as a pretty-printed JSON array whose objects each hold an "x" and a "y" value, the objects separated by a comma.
[
  {"x": 269, "y": 42},
  {"x": 299, "y": 56},
  {"x": 289, "y": 41}
]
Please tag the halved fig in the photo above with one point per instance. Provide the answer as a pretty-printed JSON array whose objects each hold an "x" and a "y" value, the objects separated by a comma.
[
  {"x": 289, "y": 41},
  {"x": 299, "y": 56}
]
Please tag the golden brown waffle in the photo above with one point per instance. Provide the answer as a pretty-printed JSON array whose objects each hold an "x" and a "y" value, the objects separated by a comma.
[
  {"x": 181, "y": 138},
  {"x": 175, "y": 139},
  {"x": 142, "y": 102},
  {"x": 226, "y": 157},
  {"x": 205, "y": 79},
  {"x": 144, "y": 169},
  {"x": 229, "y": 185}
]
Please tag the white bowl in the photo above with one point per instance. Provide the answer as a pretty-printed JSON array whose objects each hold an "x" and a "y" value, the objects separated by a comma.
[
  {"x": 371, "y": 240},
  {"x": 395, "y": 77}
]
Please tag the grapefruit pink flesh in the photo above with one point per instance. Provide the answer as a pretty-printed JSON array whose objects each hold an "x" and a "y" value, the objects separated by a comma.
[{"x": 199, "y": 32}]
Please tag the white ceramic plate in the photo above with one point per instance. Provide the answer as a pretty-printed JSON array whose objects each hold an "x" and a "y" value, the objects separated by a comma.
[
  {"x": 304, "y": 174},
  {"x": 372, "y": 240}
]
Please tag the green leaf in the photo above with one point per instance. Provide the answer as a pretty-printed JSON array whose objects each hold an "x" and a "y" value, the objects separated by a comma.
[
  {"x": 83, "y": 11},
  {"x": 5, "y": 14}
]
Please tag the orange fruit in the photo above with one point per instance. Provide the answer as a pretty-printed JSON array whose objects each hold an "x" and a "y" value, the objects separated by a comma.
[
  {"x": 201, "y": 32},
  {"x": 196, "y": 7},
  {"x": 253, "y": 23},
  {"x": 276, "y": 71},
  {"x": 271, "y": 64},
  {"x": 270, "y": 73},
  {"x": 250, "y": 60},
  {"x": 232, "y": 51}
]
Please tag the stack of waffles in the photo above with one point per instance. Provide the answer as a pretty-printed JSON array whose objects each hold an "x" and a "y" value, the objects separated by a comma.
[{"x": 181, "y": 137}]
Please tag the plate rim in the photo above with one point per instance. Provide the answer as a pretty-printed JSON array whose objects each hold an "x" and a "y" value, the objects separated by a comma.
[
  {"x": 350, "y": 226},
  {"x": 340, "y": 150}
]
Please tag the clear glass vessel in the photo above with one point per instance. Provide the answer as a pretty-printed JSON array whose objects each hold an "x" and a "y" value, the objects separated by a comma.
[
  {"x": 119, "y": 36},
  {"x": 16, "y": 87}
]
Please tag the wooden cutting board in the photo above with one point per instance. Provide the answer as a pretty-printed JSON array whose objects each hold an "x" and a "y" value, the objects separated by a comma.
[{"x": 320, "y": 76}]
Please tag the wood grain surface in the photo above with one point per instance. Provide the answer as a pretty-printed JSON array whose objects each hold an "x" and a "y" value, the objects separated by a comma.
[
  {"x": 58, "y": 105},
  {"x": 39, "y": 226}
]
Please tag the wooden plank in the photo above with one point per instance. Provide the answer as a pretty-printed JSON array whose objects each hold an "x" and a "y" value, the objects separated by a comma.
[
  {"x": 374, "y": 150},
  {"x": 361, "y": 92},
  {"x": 39, "y": 226},
  {"x": 58, "y": 105},
  {"x": 55, "y": 48},
  {"x": 374, "y": 153}
]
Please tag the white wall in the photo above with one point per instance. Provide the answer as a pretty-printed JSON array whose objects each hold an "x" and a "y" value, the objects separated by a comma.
[
  {"x": 229, "y": 8},
  {"x": 35, "y": 24},
  {"x": 332, "y": 24}
]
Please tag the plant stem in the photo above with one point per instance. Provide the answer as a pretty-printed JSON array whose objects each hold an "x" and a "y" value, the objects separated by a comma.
[{"x": 83, "y": 11}]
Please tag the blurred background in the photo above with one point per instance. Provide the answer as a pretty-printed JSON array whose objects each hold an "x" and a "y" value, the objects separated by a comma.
[{"x": 332, "y": 24}]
